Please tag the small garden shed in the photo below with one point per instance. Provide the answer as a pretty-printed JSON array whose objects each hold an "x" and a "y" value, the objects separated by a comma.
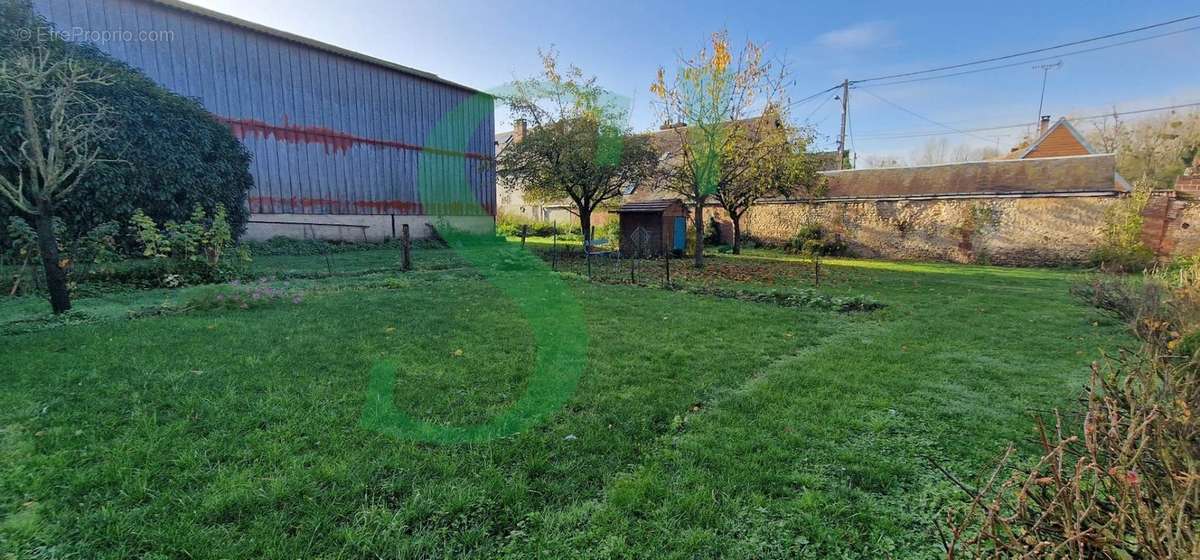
[{"x": 652, "y": 227}]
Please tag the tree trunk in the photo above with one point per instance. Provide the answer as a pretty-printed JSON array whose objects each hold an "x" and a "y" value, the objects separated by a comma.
[
  {"x": 585, "y": 222},
  {"x": 56, "y": 277},
  {"x": 698, "y": 219},
  {"x": 737, "y": 233}
]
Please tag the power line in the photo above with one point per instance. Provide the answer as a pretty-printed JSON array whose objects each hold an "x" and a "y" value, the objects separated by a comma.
[
  {"x": 1026, "y": 53},
  {"x": 814, "y": 111},
  {"x": 898, "y": 135},
  {"x": 853, "y": 147},
  {"x": 813, "y": 96},
  {"x": 923, "y": 117},
  {"x": 941, "y": 133},
  {"x": 1042, "y": 59}
]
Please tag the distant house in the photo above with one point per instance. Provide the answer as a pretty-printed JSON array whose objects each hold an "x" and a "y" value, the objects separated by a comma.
[
  {"x": 510, "y": 200},
  {"x": 1060, "y": 139},
  {"x": 668, "y": 141},
  {"x": 1059, "y": 162}
]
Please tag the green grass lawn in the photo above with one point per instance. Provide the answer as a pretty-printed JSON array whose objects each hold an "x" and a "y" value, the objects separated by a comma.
[{"x": 701, "y": 427}]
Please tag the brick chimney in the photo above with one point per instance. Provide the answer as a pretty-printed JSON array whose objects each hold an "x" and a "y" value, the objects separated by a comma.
[
  {"x": 1043, "y": 125},
  {"x": 1188, "y": 184},
  {"x": 520, "y": 128},
  {"x": 772, "y": 117}
]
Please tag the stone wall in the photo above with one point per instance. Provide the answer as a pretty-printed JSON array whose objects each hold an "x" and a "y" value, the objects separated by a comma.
[
  {"x": 1007, "y": 231},
  {"x": 1184, "y": 232}
]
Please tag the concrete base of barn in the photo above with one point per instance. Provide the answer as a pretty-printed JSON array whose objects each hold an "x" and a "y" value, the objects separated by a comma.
[{"x": 354, "y": 228}]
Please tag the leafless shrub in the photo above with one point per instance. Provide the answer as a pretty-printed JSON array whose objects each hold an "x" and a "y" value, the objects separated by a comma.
[{"x": 1121, "y": 478}]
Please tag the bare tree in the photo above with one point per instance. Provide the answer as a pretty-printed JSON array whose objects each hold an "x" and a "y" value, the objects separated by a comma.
[
  {"x": 577, "y": 146},
  {"x": 1155, "y": 149},
  {"x": 58, "y": 128},
  {"x": 712, "y": 95},
  {"x": 940, "y": 150},
  {"x": 878, "y": 161}
]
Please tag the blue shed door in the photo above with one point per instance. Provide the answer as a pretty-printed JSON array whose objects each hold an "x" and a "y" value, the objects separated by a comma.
[{"x": 680, "y": 233}]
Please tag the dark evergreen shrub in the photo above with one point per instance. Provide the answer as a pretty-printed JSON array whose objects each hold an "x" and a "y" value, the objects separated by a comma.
[{"x": 169, "y": 153}]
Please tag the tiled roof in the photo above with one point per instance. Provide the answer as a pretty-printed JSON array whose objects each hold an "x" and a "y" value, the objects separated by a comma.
[
  {"x": 657, "y": 205},
  {"x": 1062, "y": 130},
  {"x": 1057, "y": 131}
]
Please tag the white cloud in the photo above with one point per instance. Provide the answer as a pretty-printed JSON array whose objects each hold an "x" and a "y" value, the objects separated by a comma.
[{"x": 865, "y": 35}]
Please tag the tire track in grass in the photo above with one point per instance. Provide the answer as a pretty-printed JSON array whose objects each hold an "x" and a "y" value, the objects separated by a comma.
[{"x": 825, "y": 451}]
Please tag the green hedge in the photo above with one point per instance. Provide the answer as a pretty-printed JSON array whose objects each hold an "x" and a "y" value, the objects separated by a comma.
[{"x": 510, "y": 226}]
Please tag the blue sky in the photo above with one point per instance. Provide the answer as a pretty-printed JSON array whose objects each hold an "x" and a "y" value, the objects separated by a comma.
[{"x": 485, "y": 44}]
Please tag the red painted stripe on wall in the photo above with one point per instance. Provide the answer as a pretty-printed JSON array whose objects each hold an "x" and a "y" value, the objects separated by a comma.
[{"x": 332, "y": 140}]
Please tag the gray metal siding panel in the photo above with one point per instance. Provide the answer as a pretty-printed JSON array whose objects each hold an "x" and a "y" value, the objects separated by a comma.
[{"x": 328, "y": 133}]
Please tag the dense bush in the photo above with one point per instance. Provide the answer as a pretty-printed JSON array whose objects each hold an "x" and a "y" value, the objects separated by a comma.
[
  {"x": 1121, "y": 248},
  {"x": 81, "y": 257},
  {"x": 815, "y": 239},
  {"x": 1123, "y": 258},
  {"x": 712, "y": 232},
  {"x": 611, "y": 230},
  {"x": 1120, "y": 477},
  {"x": 198, "y": 251},
  {"x": 167, "y": 154}
]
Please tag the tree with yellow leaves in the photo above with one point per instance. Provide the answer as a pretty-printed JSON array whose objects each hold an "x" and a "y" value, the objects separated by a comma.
[{"x": 721, "y": 104}]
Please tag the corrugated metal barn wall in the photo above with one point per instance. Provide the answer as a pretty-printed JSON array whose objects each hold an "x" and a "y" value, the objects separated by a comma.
[{"x": 330, "y": 134}]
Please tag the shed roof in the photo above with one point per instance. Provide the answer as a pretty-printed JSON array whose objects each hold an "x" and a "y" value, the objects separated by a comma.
[
  {"x": 648, "y": 206},
  {"x": 307, "y": 42}
]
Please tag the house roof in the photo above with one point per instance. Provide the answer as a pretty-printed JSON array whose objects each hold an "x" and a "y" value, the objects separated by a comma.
[
  {"x": 307, "y": 42},
  {"x": 1061, "y": 131},
  {"x": 669, "y": 139},
  {"x": 1038, "y": 176},
  {"x": 502, "y": 140}
]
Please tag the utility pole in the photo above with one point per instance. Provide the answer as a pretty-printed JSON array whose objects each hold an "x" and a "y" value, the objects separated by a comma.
[
  {"x": 1045, "y": 68},
  {"x": 842, "y": 136}
]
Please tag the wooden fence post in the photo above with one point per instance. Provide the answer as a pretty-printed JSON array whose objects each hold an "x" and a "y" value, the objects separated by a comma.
[
  {"x": 554, "y": 251},
  {"x": 405, "y": 249},
  {"x": 524, "y": 234},
  {"x": 667, "y": 260}
]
